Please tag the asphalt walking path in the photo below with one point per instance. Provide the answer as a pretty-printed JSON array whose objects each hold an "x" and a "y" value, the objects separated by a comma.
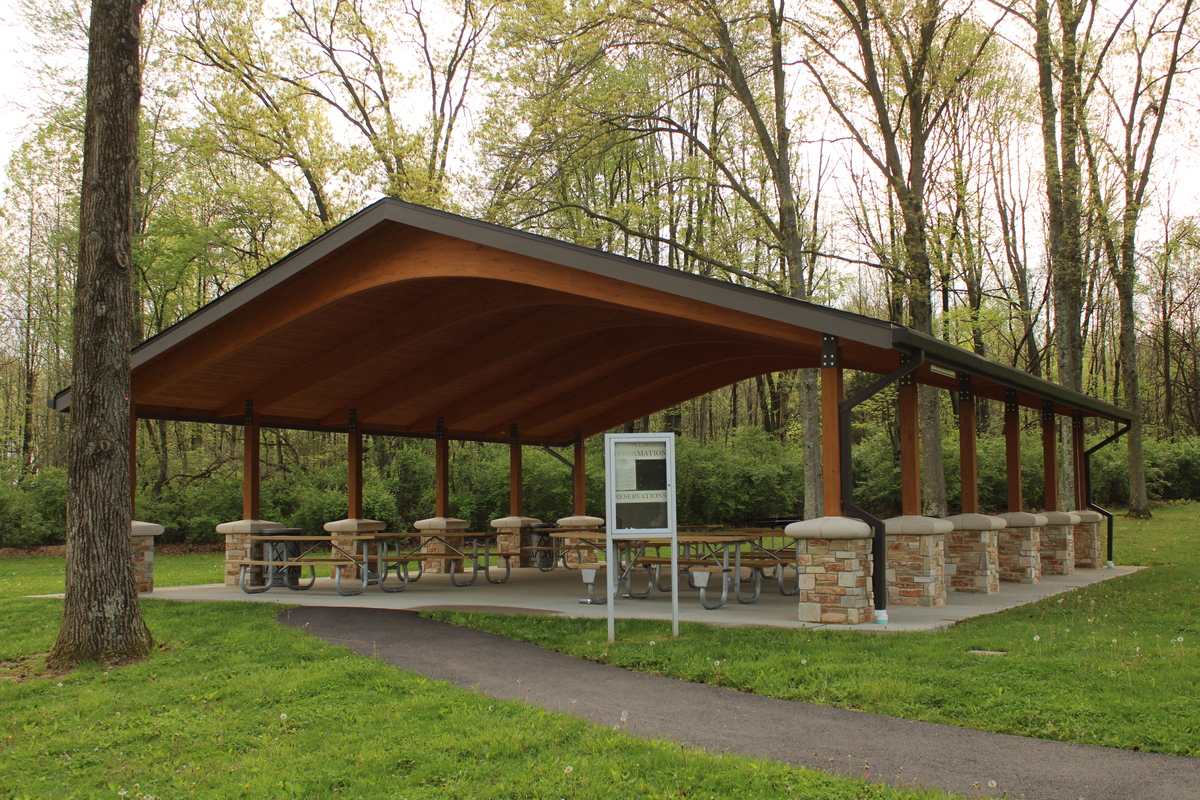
[{"x": 900, "y": 752}]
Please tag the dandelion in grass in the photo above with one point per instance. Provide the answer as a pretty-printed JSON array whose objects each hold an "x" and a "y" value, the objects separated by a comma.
[
  {"x": 992, "y": 784},
  {"x": 568, "y": 769},
  {"x": 1037, "y": 638},
  {"x": 803, "y": 661},
  {"x": 283, "y": 717},
  {"x": 652, "y": 643}
]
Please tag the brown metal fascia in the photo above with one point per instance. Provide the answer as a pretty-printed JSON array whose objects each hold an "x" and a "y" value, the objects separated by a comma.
[{"x": 956, "y": 358}]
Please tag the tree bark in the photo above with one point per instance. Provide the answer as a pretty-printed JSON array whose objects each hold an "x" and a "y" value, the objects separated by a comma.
[{"x": 101, "y": 617}]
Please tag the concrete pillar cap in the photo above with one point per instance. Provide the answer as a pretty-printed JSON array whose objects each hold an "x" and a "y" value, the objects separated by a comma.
[
  {"x": 139, "y": 528},
  {"x": 914, "y": 525},
  {"x": 515, "y": 522},
  {"x": 828, "y": 528},
  {"x": 353, "y": 525},
  {"x": 1060, "y": 518},
  {"x": 249, "y": 526},
  {"x": 1088, "y": 515},
  {"x": 977, "y": 522},
  {"x": 441, "y": 524},
  {"x": 581, "y": 521},
  {"x": 1021, "y": 519}
]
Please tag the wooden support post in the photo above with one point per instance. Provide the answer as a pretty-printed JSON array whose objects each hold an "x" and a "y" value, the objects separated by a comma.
[
  {"x": 441, "y": 473},
  {"x": 1012, "y": 450},
  {"x": 833, "y": 390},
  {"x": 516, "y": 497},
  {"x": 1078, "y": 460},
  {"x": 910, "y": 449},
  {"x": 580, "y": 476},
  {"x": 133, "y": 420},
  {"x": 354, "y": 467},
  {"x": 251, "y": 458},
  {"x": 968, "y": 453},
  {"x": 1050, "y": 454}
]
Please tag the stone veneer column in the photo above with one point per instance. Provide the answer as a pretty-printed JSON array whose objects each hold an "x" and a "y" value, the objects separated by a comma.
[
  {"x": 512, "y": 535},
  {"x": 916, "y": 568},
  {"x": 143, "y": 534},
  {"x": 351, "y": 526},
  {"x": 833, "y": 561},
  {"x": 1020, "y": 547},
  {"x": 1089, "y": 552},
  {"x": 587, "y": 526},
  {"x": 237, "y": 545},
  {"x": 1058, "y": 543},
  {"x": 431, "y": 546},
  {"x": 972, "y": 557}
]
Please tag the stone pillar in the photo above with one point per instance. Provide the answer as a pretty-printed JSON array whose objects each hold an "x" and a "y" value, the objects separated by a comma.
[
  {"x": 512, "y": 534},
  {"x": 1020, "y": 547},
  {"x": 143, "y": 534},
  {"x": 972, "y": 557},
  {"x": 237, "y": 545},
  {"x": 916, "y": 568},
  {"x": 833, "y": 559},
  {"x": 590, "y": 527},
  {"x": 351, "y": 526},
  {"x": 437, "y": 525},
  {"x": 1089, "y": 551},
  {"x": 1058, "y": 543}
]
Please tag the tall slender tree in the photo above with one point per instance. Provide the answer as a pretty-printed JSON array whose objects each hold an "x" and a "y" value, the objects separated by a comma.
[{"x": 102, "y": 620}]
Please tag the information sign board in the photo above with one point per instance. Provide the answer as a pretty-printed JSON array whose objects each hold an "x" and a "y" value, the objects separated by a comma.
[{"x": 639, "y": 483}]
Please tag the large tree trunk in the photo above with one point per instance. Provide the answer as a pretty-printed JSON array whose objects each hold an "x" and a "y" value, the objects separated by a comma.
[{"x": 101, "y": 617}]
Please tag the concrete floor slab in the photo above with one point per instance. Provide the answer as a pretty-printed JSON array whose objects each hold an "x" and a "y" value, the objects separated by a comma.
[{"x": 530, "y": 591}]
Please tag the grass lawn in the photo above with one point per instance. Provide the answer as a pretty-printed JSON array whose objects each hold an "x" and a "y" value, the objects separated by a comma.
[
  {"x": 233, "y": 705},
  {"x": 1114, "y": 664}
]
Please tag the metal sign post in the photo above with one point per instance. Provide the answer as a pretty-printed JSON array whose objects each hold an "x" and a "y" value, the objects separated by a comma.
[{"x": 639, "y": 490}]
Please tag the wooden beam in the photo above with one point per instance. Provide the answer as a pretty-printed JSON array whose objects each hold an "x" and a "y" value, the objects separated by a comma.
[
  {"x": 968, "y": 451},
  {"x": 620, "y": 346},
  {"x": 251, "y": 456},
  {"x": 516, "y": 500},
  {"x": 676, "y": 388},
  {"x": 1050, "y": 455},
  {"x": 354, "y": 465},
  {"x": 385, "y": 259},
  {"x": 1012, "y": 451},
  {"x": 604, "y": 390},
  {"x": 442, "y": 477},
  {"x": 580, "y": 478},
  {"x": 833, "y": 390},
  {"x": 515, "y": 337},
  {"x": 910, "y": 449},
  {"x": 422, "y": 319}
]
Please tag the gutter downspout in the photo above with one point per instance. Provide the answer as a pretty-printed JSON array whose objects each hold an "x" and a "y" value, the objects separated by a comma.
[
  {"x": 908, "y": 364},
  {"x": 1087, "y": 484}
]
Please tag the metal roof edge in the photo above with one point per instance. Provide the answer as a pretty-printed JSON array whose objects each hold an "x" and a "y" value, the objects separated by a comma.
[{"x": 950, "y": 355}]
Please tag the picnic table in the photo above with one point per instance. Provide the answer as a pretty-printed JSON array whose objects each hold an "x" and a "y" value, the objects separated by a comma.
[
  {"x": 456, "y": 552},
  {"x": 287, "y": 552}
]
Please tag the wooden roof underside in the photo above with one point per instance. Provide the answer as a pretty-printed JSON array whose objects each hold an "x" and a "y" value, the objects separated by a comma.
[{"x": 403, "y": 316}]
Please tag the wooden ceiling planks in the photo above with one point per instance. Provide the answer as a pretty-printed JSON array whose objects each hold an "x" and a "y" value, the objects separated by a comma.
[{"x": 407, "y": 316}]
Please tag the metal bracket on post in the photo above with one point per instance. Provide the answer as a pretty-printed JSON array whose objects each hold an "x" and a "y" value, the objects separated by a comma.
[
  {"x": 1047, "y": 411},
  {"x": 440, "y": 432},
  {"x": 1076, "y": 419},
  {"x": 353, "y": 420},
  {"x": 829, "y": 350},
  {"x": 578, "y": 439},
  {"x": 1010, "y": 400},
  {"x": 249, "y": 413},
  {"x": 966, "y": 392},
  {"x": 513, "y": 438}
]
